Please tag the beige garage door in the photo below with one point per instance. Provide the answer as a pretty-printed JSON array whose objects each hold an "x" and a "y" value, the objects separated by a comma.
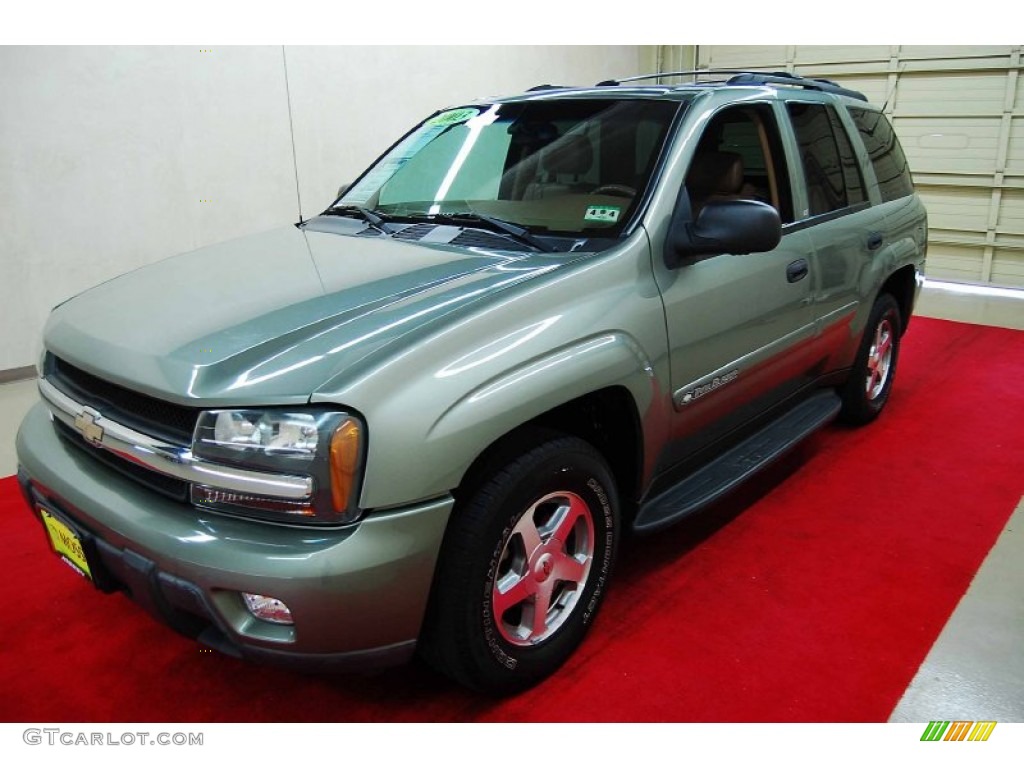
[{"x": 959, "y": 113}]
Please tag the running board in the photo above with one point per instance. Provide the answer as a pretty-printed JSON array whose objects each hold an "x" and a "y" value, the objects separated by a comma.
[{"x": 717, "y": 478}]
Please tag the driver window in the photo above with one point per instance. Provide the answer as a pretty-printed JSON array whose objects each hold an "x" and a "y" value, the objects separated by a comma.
[{"x": 740, "y": 157}]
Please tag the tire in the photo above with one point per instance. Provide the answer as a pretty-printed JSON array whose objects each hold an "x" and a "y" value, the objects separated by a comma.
[
  {"x": 867, "y": 391},
  {"x": 542, "y": 530}
]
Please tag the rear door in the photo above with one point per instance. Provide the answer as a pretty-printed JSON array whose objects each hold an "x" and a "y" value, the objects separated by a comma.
[{"x": 845, "y": 230}]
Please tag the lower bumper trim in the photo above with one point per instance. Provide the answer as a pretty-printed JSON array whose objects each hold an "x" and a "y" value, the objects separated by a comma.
[
  {"x": 183, "y": 606},
  {"x": 364, "y": 661}
]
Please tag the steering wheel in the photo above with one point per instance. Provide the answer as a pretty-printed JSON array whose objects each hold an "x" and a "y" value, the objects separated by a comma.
[{"x": 617, "y": 190}]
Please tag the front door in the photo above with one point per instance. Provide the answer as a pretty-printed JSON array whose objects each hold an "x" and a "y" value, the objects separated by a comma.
[{"x": 738, "y": 325}]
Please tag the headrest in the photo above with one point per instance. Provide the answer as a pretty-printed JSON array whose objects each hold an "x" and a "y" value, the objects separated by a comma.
[
  {"x": 570, "y": 155},
  {"x": 716, "y": 173},
  {"x": 532, "y": 134}
]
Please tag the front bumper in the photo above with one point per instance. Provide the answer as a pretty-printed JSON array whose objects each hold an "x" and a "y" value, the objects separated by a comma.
[{"x": 357, "y": 594}]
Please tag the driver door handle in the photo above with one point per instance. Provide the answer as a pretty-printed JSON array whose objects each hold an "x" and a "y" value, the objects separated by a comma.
[{"x": 797, "y": 270}]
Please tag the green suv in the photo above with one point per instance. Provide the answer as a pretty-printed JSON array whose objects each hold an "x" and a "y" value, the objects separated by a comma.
[{"x": 423, "y": 421}]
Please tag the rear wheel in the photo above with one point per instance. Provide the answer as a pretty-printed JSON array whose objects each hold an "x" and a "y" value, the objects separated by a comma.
[
  {"x": 524, "y": 568},
  {"x": 867, "y": 391}
]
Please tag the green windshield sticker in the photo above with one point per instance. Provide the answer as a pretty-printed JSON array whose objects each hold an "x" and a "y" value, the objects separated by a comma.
[
  {"x": 609, "y": 214},
  {"x": 453, "y": 116}
]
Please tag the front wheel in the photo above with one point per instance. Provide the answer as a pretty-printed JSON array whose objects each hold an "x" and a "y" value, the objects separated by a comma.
[
  {"x": 523, "y": 570},
  {"x": 867, "y": 391}
]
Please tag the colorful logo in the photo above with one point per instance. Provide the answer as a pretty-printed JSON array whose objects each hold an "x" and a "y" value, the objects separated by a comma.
[{"x": 959, "y": 730}]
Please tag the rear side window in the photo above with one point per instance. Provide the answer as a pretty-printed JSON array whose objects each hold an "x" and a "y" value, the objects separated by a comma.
[
  {"x": 886, "y": 155},
  {"x": 851, "y": 168},
  {"x": 830, "y": 168}
]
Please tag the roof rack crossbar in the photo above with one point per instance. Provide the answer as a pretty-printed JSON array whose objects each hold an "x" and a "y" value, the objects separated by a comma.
[{"x": 747, "y": 77}]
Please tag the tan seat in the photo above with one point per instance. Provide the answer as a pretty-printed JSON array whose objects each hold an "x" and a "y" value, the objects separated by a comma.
[
  {"x": 714, "y": 176},
  {"x": 560, "y": 166}
]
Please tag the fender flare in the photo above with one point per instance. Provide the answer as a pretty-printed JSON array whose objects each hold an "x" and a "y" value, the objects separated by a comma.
[{"x": 521, "y": 394}]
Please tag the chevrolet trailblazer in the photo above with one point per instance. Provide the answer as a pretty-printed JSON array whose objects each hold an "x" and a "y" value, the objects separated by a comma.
[{"x": 422, "y": 421}]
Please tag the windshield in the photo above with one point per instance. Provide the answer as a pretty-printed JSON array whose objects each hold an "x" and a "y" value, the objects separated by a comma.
[{"x": 561, "y": 167}]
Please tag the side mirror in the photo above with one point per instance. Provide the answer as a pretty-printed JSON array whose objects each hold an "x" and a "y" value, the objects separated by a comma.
[
  {"x": 343, "y": 189},
  {"x": 724, "y": 226}
]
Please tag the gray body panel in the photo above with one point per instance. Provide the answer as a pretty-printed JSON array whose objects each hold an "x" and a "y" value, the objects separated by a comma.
[{"x": 269, "y": 318}]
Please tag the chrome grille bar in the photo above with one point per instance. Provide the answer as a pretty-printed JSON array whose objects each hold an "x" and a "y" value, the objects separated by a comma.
[{"x": 165, "y": 458}]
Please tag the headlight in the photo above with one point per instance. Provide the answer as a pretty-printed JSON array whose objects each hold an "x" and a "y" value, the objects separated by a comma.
[{"x": 326, "y": 446}]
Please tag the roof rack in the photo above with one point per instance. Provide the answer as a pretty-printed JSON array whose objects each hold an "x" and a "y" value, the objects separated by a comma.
[
  {"x": 656, "y": 75},
  {"x": 784, "y": 78},
  {"x": 745, "y": 77}
]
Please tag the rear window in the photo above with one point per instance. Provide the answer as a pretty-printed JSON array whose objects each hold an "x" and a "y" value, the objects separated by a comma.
[{"x": 886, "y": 155}]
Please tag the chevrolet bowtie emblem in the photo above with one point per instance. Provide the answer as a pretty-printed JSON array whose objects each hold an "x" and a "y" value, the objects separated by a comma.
[{"x": 85, "y": 423}]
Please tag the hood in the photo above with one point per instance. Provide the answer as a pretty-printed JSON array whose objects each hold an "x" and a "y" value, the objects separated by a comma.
[{"x": 269, "y": 318}]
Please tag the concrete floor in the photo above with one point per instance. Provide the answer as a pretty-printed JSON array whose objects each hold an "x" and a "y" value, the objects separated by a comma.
[
  {"x": 982, "y": 305},
  {"x": 975, "y": 670}
]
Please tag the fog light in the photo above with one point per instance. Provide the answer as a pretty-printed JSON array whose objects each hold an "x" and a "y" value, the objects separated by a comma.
[{"x": 267, "y": 608}]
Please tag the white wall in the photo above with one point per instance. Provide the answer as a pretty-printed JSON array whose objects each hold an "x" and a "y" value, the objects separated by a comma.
[{"x": 114, "y": 157}]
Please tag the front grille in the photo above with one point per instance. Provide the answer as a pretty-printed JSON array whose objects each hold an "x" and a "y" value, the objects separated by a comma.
[
  {"x": 157, "y": 418},
  {"x": 170, "y": 487}
]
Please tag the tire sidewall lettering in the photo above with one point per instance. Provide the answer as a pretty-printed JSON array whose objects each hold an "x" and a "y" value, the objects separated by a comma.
[
  {"x": 609, "y": 547},
  {"x": 487, "y": 611}
]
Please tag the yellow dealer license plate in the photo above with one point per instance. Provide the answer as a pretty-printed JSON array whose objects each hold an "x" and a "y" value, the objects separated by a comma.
[{"x": 66, "y": 543}]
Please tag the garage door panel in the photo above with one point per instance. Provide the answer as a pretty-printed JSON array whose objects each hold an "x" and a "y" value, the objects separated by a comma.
[
  {"x": 837, "y": 72},
  {"x": 844, "y": 54},
  {"x": 965, "y": 181},
  {"x": 1011, "y": 212},
  {"x": 1011, "y": 241},
  {"x": 954, "y": 262},
  {"x": 938, "y": 145},
  {"x": 937, "y": 55},
  {"x": 956, "y": 208},
  {"x": 742, "y": 56},
  {"x": 959, "y": 114},
  {"x": 874, "y": 87},
  {"x": 929, "y": 94},
  {"x": 1015, "y": 151},
  {"x": 1008, "y": 268}
]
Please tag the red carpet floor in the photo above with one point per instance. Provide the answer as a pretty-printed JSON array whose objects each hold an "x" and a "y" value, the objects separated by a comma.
[{"x": 811, "y": 595}]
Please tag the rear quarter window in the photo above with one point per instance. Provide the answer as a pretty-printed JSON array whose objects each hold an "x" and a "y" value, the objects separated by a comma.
[{"x": 886, "y": 155}]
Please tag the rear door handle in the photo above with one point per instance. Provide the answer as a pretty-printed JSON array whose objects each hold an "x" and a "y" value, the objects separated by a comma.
[
  {"x": 797, "y": 270},
  {"x": 875, "y": 241}
]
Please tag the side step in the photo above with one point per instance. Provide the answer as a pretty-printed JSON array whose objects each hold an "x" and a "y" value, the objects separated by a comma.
[{"x": 720, "y": 476}]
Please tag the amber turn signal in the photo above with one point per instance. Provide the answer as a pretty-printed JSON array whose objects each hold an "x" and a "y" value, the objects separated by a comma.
[{"x": 344, "y": 461}]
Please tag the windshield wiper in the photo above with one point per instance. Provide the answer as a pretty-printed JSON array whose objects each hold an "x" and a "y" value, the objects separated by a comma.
[
  {"x": 375, "y": 220},
  {"x": 473, "y": 219}
]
